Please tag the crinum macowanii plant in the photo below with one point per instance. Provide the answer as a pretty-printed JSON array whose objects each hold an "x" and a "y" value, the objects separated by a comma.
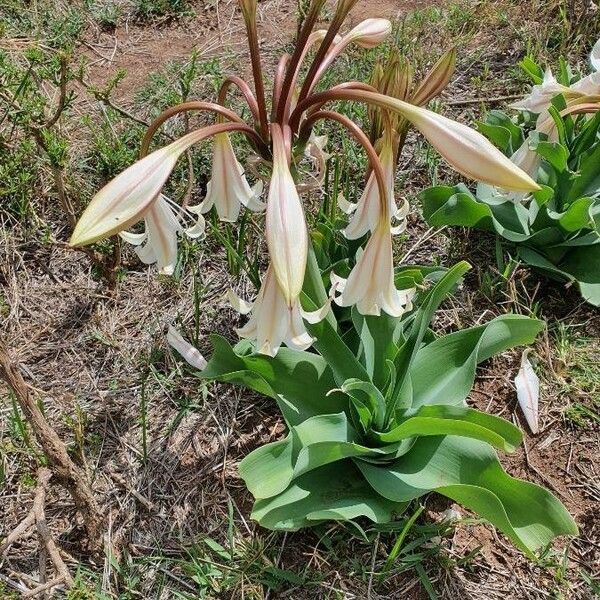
[
  {"x": 379, "y": 417},
  {"x": 280, "y": 137}
]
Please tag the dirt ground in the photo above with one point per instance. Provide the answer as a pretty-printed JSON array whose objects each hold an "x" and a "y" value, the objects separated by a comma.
[{"x": 162, "y": 450}]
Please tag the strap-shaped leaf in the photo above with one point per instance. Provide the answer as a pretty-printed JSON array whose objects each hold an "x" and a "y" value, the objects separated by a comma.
[
  {"x": 378, "y": 343},
  {"x": 318, "y": 441},
  {"x": 299, "y": 381},
  {"x": 424, "y": 314},
  {"x": 588, "y": 181},
  {"x": 468, "y": 471},
  {"x": 443, "y": 371},
  {"x": 444, "y": 205},
  {"x": 335, "y": 492},
  {"x": 366, "y": 393},
  {"x": 456, "y": 420}
]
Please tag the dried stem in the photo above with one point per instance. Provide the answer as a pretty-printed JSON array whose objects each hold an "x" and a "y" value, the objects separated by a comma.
[
  {"x": 36, "y": 517},
  {"x": 62, "y": 99},
  {"x": 65, "y": 470}
]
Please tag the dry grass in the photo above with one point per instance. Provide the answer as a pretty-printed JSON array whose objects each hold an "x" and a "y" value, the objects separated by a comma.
[{"x": 161, "y": 450}]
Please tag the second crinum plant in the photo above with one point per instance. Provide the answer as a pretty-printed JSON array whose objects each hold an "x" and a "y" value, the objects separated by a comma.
[{"x": 292, "y": 306}]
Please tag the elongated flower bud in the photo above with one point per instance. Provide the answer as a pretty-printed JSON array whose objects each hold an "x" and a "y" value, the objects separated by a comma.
[
  {"x": 287, "y": 237},
  {"x": 369, "y": 33},
  {"x": 467, "y": 151},
  {"x": 124, "y": 200},
  {"x": 436, "y": 80},
  {"x": 398, "y": 78}
]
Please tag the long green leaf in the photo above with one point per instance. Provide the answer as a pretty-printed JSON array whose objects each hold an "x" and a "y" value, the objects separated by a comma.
[
  {"x": 443, "y": 372},
  {"x": 468, "y": 471},
  {"x": 335, "y": 492},
  {"x": 456, "y": 420},
  {"x": 299, "y": 381}
]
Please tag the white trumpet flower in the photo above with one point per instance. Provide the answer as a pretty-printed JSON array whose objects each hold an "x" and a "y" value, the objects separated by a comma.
[
  {"x": 158, "y": 243},
  {"x": 228, "y": 188},
  {"x": 367, "y": 212},
  {"x": 541, "y": 95},
  {"x": 126, "y": 199},
  {"x": 274, "y": 320},
  {"x": 370, "y": 284}
]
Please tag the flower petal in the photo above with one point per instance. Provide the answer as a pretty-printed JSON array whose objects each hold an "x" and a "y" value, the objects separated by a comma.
[
  {"x": 595, "y": 56},
  {"x": 344, "y": 205},
  {"x": 238, "y": 304},
  {"x": 528, "y": 392},
  {"x": 191, "y": 354}
]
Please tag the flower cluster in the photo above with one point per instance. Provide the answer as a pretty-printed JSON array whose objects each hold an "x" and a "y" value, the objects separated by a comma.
[{"x": 279, "y": 138}]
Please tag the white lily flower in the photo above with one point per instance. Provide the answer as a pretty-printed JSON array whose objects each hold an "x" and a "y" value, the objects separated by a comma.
[
  {"x": 588, "y": 86},
  {"x": 368, "y": 209},
  {"x": 541, "y": 95},
  {"x": 370, "y": 284},
  {"x": 163, "y": 224},
  {"x": 274, "y": 320},
  {"x": 526, "y": 159},
  {"x": 286, "y": 232},
  {"x": 126, "y": 199},
  {"x": 228, "y": 188}
]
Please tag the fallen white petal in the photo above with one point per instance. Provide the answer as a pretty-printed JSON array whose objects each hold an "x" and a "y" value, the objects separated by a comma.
[
  {"x": 528, "y": 392},
  {"x": 191, "y": 354}
]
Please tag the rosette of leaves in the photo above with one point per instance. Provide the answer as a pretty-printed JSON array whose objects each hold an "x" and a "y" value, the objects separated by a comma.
[
  {"x": 377, "y": 416},
  {"x": 555, "y": 230}
]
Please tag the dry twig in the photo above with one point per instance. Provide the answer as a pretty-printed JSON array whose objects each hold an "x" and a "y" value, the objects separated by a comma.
[
  {"x": 65, "y": 470},
  {"x": 37, "y": 518}
]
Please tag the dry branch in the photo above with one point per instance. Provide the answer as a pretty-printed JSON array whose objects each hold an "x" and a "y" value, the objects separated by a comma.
[
  {"x": 63, "y": 468},
  {"x": 37, "y": 518}
]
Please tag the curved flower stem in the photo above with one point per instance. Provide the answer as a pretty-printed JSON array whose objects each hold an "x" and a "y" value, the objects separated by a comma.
[
  {"x": 587, "y": 107},
  {"x": 294, "y": 62},
  {"x": 342, "y": 11},
  {"x": 363, "y": 140},
  {"x": 199, "y": 105},
  {"x": 339, "y": 93},
  {"x": 347, "y": 85},
  {"x": 244, "y": 89},
  {"x": 259, "y": 86},
  {"x": 282, "y": 66},
  {"x": 211, "y": 130}
]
